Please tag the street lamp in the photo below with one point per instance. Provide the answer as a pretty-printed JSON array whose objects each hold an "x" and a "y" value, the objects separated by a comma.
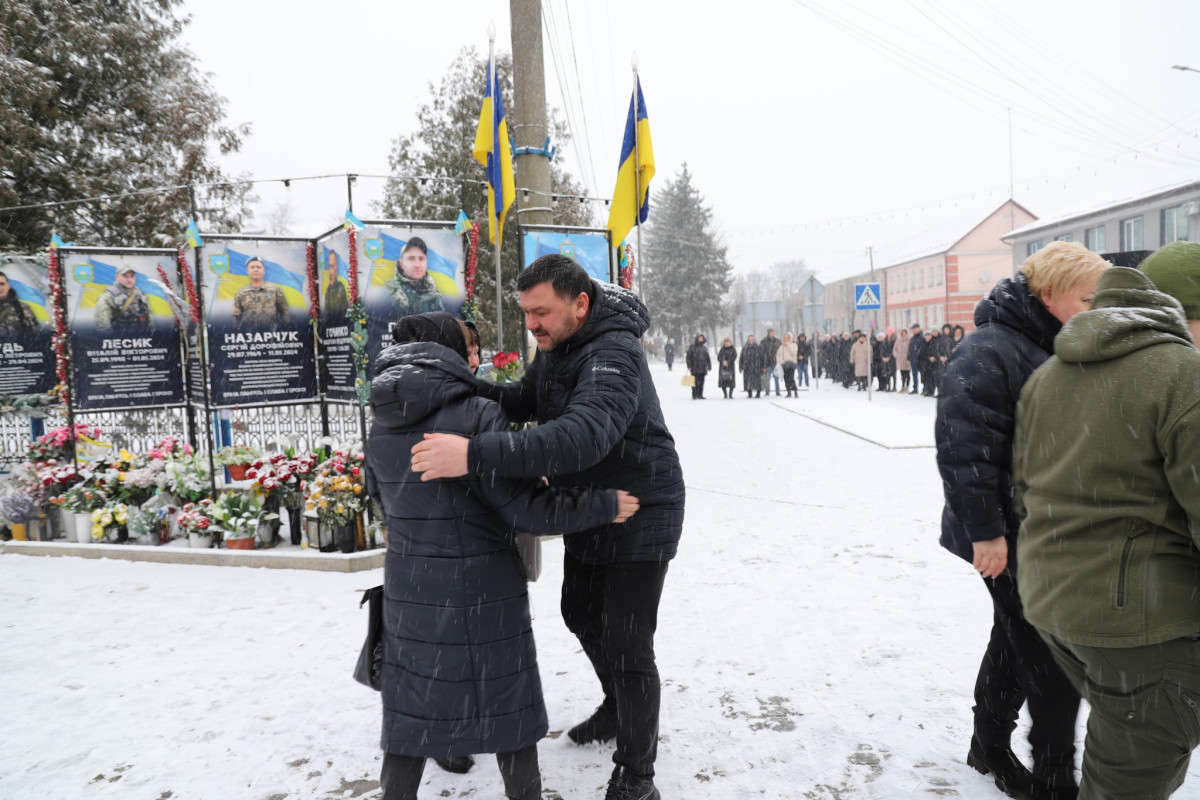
[{"x": 1185, "y": 69}]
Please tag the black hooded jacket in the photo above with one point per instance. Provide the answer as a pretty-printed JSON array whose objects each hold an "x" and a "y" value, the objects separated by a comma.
[
  {"x": 460, "y": 670},
  {"x": 976, "y": 415},
  {"x": 600, "y": 424}
]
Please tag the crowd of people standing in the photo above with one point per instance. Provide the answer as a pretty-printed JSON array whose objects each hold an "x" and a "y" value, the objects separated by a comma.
[{"x": 894, "y": 361}]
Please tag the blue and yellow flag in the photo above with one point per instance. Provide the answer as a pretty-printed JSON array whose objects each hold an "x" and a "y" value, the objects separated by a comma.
[
  {"x": 193, "y": 235},
  {"x": 462, "y": 224},
  {"x": 493, "y": 150},
  {"x": 351, "y": 221},
  {"x": 631, "y": 197}
]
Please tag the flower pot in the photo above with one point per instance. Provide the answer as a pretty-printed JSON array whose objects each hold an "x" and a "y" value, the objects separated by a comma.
[
  {"x": 266, "y": 531},
  {"x": 61, "y": 526},
  {"x": 237, "y": 472},
  {"x": 83, "y": 527},
  {"x": 240, "y": 544},
  {"x": 296, "y": 524},
  {"x": 346, "y": 537},
  {"x": 37, "y": 529},
  {"x": 201, "y": 540},
  {"x": 19, "y": 532},
  {"x": 164, "y": 533}
]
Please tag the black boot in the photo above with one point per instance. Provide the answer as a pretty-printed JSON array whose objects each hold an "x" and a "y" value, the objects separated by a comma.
[
  {"x": 624, "y": 785},
  {"x": 601, "y": 726},
  {"x": 456, "y": 764},
  {"x": 1054, "y": 778},
  {"x": 1010, "y": 774}
]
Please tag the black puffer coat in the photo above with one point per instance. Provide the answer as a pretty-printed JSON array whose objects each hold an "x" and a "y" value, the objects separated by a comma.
[
  {"x": 751, "y": 362},
  {"x": 460, "y": 670},
  {"x": 976, "y": 415},
  {"x": 727, "y": 367},
  {"x": 698, "y": 360},
  {"x": 600, "y": 425}
]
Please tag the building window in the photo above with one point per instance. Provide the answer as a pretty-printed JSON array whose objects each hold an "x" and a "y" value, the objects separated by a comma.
[
  {"x": 1174, "y": 225},
  {"x": 1033, "y": 247},
  {"x": 940, "y": 272},
  {"x": 922, "y": 274},
  {"x": 1066, "y": 237},
  {"x": 1131, "y": 234},
  {"x": 1093, "y": 239}
]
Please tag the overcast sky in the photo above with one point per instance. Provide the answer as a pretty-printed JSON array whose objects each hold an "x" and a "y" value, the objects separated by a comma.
[{"x": 814, "y": 128}]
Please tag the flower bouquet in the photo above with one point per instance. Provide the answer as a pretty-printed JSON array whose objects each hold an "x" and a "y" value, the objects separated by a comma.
[
  {"x": 108, "y": 523},
  {"x": 336, "y": 493},
  {"x": 238, "y": 515},
  {"x": 187, "y": 477},
  {"x": 59, "y": 444},
  {"x": 17, "y": 507},
  {"x": 56, "y": 478},
  {"x": 506, "y": 368},
  {"x": 149, "y": 524},
  {"x": 194, "y": 520}
]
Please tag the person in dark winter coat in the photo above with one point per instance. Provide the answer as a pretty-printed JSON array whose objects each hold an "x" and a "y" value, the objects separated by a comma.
[
  {"x": 974, "y": 429},
  {"x": 845, "y": 370},
  {"x": 916, "y": 346},
  {"x": 931, "y": 363},
  {"x": 804, "y": 352},
  {"x": 770, "y": 348},
  {"x": 600, "y": 424},
  {"x": 958, "y": 333},
  {"x": 698, "y": 363},
  {"x": 669, "y": 353},
  {"x": 727, "y": 368},
  {"x": 752, "y": 364},
  {"x": 459, "y": 665}
]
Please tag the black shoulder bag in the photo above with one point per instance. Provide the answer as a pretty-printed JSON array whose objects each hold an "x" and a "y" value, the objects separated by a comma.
[{"x": 369, "y": 669}]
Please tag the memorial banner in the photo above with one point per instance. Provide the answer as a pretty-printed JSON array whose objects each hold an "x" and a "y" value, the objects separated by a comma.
[
  {"x": 589, "y": 249},
  {"x": 337, "y": 366},
  {"x": 124, "y": 339},
  {"x": 260, "y": 340},
  {"x": 26, "y": 328}
]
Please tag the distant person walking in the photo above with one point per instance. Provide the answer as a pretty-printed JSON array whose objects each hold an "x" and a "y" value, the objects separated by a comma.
[
  {"x": 698, "y": 363},
  {"x": 770, "y": 347},
  {"x": 669, "y": 353},
  {"x": 804, "y": 357},
  {"x": 727, "y": 369}
]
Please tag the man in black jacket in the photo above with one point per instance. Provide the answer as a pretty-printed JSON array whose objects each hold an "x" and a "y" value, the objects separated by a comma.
[
  {"x": 770, "y": 348},
  {"x": 916, "y": 343},
  {"x": 600, "y": 424}
]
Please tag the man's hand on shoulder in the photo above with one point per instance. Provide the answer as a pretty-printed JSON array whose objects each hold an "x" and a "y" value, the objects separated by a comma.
[{"x": 440, "y": 455}]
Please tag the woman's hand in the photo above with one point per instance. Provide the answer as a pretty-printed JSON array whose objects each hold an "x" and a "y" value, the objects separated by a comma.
[
  {"x": 990, "y": 557},
  {"x": 627, "y": 506}
]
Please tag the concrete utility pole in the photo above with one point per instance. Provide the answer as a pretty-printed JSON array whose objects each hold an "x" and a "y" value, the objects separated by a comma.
[{"x": 528, "y": 117}]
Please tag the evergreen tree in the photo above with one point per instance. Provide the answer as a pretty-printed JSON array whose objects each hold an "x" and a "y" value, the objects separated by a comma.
[
  {"x": 685, "y": 271},
  {"x": 434, "y": 175},
  {"x": 99, "y": 99}
]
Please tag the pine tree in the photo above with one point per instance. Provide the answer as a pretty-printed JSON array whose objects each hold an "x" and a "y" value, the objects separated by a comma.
[
  {"x": 99, "y": 99},
  {"x": 434, "y": 175},
  {"x": 686, "y": 274}
]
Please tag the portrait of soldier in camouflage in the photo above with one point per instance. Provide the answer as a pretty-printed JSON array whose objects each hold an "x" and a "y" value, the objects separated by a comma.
[
  {"x": 16, "y": 318},
  {"x": 413, "y": 291},
  {"x": 123, "y": 307},
  {"x": 336, "y": 301},
  {"x": 261, "y": 305}
]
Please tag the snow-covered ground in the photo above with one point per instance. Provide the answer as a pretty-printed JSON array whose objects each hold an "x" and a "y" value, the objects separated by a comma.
[{"x": 814, "y": 642}]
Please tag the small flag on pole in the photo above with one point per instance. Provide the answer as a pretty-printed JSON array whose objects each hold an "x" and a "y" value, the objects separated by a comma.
[
  {"x": 193, "y": 235},
  {"x": 631, "y": 197},
  {"x": 493, "y": 150},
  {"x": 57, "y": 242},
  {"x": 352, "y": 221},
  {"x": 462, "y": 224}
]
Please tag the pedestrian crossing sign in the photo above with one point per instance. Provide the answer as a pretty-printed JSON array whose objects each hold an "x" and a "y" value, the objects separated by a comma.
[{"x": 866, "y": 296}]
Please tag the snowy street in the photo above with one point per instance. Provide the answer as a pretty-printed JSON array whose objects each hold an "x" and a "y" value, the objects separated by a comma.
[{"x": 814, "y": 641}]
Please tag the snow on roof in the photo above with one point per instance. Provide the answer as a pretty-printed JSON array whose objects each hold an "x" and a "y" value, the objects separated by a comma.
[{"x": 1164, "y": 191}]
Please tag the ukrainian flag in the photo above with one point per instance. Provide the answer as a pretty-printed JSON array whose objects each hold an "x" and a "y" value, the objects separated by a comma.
[
  {"x": 492, "y": 149},
  {"x": 637, "y": 168}
]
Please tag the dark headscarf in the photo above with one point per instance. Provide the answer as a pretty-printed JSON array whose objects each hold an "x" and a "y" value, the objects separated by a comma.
[{"x": 435, "y": 326}]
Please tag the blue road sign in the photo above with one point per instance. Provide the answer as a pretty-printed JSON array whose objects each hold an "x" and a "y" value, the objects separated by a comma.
[{"x": 866, "y": 297}]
